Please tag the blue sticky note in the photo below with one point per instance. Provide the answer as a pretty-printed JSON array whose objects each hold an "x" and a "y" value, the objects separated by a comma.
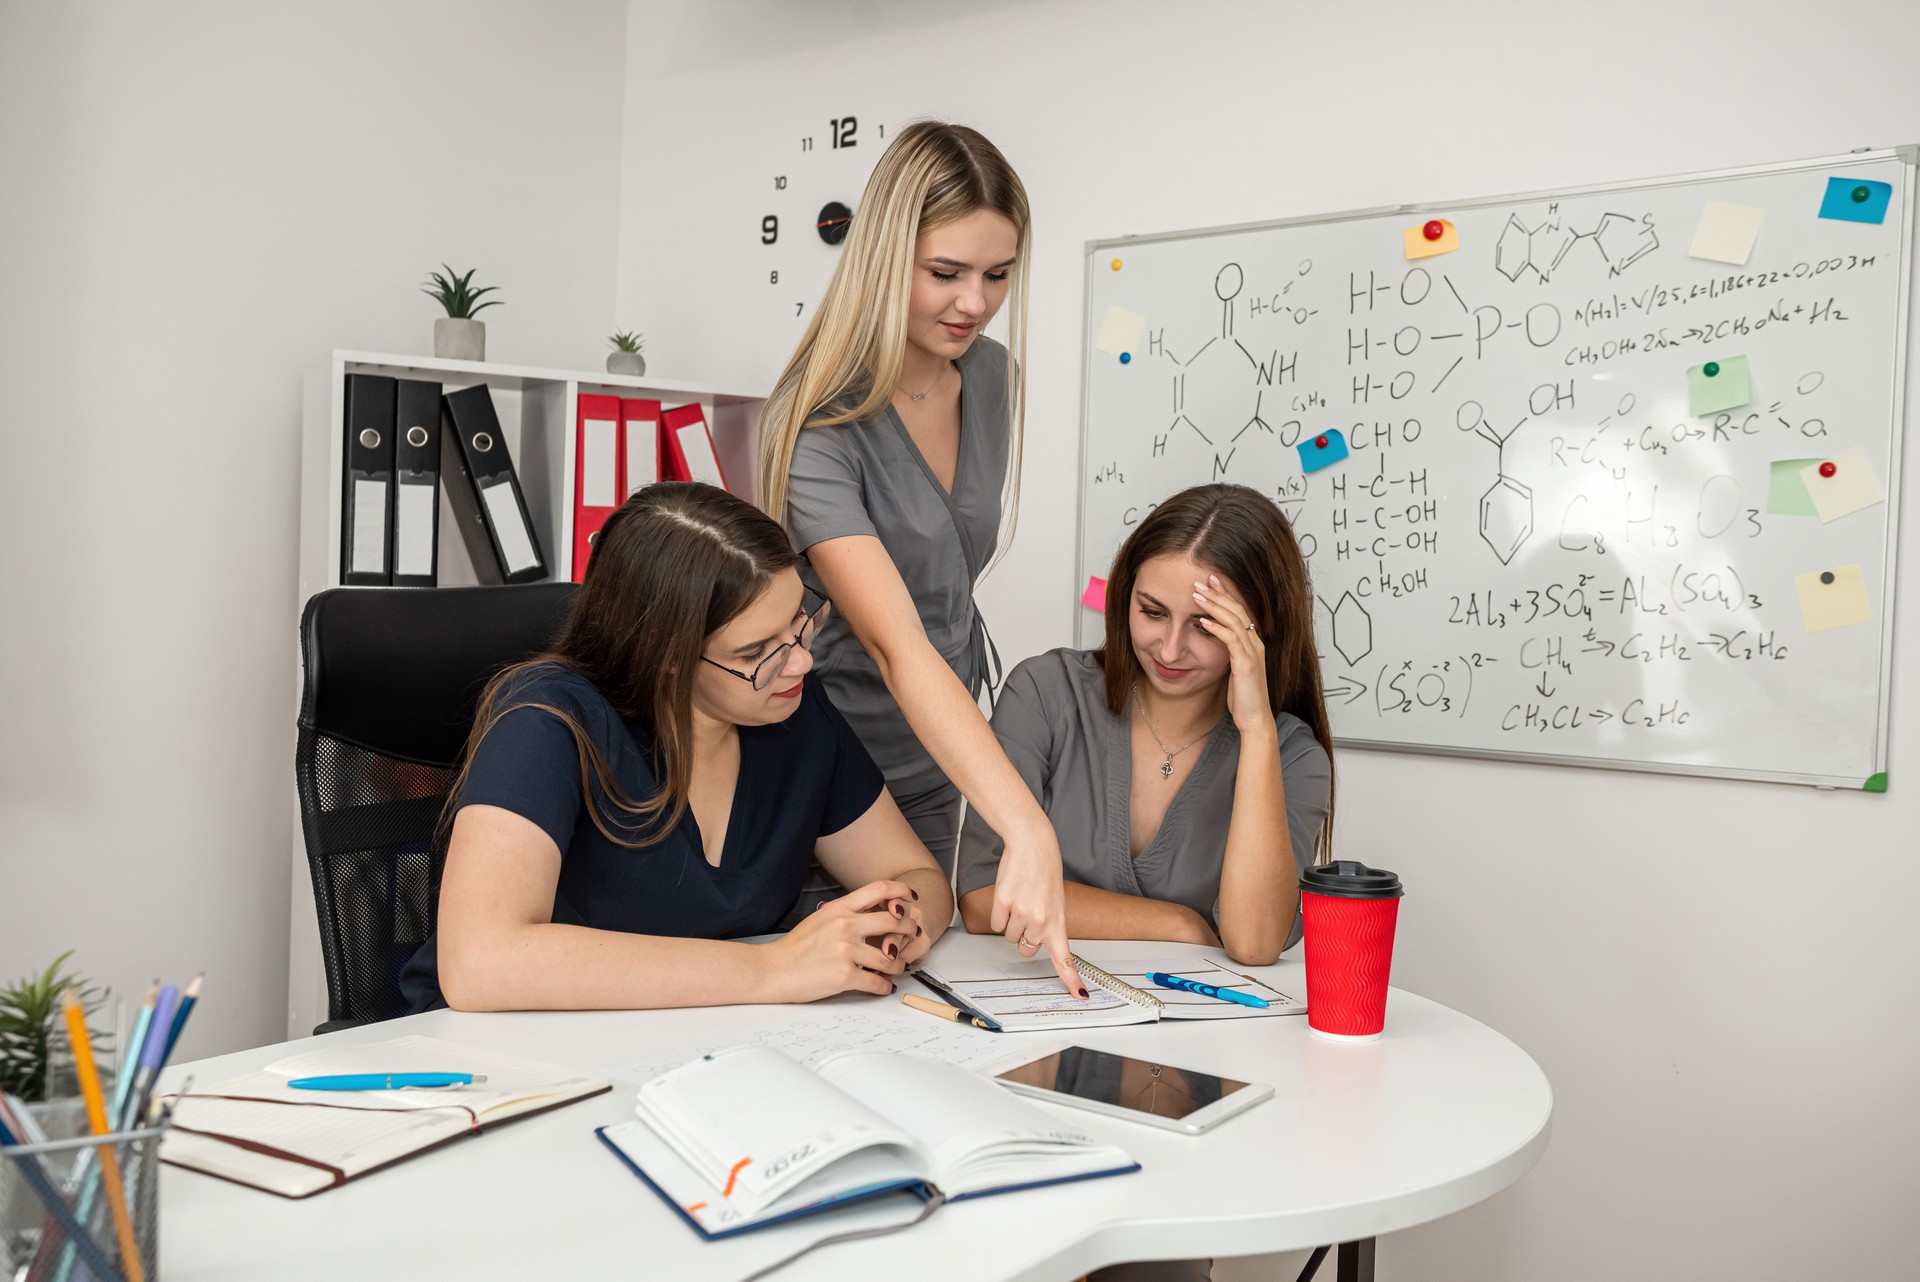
[
  {"x": 1856, "y": 200},
  {"x": 1314, "y": 455}
]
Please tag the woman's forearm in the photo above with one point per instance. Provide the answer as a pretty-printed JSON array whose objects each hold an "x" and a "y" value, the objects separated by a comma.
[
  {"x": 1259, "y": 883},
  {"x": 1093, "y": 913},
  {"x": 948, "y": 722},
  {"x": 550, "y": 966}
]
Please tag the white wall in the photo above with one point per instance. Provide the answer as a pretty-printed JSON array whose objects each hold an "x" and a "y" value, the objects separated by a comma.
[
  {"x": 1719, "y": 978},
  {"x": 197, "y": 202}
]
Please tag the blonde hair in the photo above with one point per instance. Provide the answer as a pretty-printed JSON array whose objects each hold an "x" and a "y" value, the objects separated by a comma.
[{"x": 848, "y": 364}]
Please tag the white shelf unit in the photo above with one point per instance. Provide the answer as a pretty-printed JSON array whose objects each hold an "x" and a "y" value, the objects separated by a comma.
[{"x": 538, "y": 410}]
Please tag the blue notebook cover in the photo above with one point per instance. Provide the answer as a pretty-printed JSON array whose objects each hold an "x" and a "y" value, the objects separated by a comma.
[{"x": 920, "y": 1190}]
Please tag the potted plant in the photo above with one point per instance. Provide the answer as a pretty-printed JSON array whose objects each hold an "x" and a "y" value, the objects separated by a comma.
[
  {"x": 29, "y": 1014},
  {"x": 457, "y": 335},
  {"x": 625, "y": 358}
]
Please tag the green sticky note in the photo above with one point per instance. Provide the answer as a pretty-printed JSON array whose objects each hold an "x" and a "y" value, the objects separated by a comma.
[
  {"x": 1786, "y": 492},
  {"x": 1718, "y": 385},
  {"x": 1875, "y": 783}
]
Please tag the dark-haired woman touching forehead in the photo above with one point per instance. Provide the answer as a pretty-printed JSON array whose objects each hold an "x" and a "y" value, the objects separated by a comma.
[
  {"x": 1184, "y": 763},
  {"x": 657, "y": 786}
]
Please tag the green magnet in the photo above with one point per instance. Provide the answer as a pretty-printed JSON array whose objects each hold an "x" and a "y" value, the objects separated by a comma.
[
  {"x": 1860, "y": 194},
  {"x": 1710, "y": 369}
]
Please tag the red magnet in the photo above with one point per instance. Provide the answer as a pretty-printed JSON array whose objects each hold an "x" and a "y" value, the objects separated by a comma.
[
  {"x": 1434, "y": 229},
  {"x": 1828, "y": 469},
  {"x": 1320, "y": 443}
]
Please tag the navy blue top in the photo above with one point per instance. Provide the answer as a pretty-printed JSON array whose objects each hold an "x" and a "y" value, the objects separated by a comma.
[{"x": 800, "y": 779}]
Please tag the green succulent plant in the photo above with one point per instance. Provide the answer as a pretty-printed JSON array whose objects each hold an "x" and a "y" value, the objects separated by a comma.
[
  {"x": 626, "y": 341},
  {"x": 29, "y": 1013},
  {"x": 453, "y": 292}
]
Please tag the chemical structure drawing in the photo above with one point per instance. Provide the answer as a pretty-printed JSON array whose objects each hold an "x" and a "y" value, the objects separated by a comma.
[
  {"x": 1220, "y": 406},
  {"x": 1506, "y": 509},
  {"x": 1350, "y": 627},
  {"x": 1620, "y": 240}
]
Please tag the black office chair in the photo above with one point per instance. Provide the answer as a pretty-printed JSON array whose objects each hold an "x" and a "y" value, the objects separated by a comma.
[{"x": 392, "y": 679}]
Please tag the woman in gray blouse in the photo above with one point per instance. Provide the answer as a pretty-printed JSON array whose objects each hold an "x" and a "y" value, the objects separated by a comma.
[
  {"x": 1184, "y": 763},
  {"x": 890, "y": 448}
]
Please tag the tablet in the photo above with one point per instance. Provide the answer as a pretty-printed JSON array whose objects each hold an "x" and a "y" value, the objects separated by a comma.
[{"x": 1176, "y": 1099}]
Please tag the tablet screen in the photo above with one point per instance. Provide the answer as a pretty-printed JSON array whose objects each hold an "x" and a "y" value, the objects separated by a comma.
[{"x": 1103, "y": 1078}]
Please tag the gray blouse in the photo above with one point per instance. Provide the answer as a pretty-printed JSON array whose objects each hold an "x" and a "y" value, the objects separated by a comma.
[
  {"x": 870, "y": 478},
  {"x": 1077, "y": 757}
]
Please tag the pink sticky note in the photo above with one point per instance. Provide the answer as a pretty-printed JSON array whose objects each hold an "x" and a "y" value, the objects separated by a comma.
[{"x": 1095, "y": 597}]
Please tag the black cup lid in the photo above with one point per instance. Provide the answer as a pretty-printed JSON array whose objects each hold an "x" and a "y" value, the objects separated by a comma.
[{"x": 1351, "y": 879}]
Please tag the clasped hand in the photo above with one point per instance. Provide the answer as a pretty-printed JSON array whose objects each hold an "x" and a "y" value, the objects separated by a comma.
[{"x": 855, "y": 943}]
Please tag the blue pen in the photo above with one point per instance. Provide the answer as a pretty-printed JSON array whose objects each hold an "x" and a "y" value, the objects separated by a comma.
[
  {"x": 1207, "y": 990},
  {"x": 384, "y": 1081}
]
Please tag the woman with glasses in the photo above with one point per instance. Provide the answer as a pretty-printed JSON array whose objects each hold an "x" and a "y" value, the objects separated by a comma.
[{"x": 653, "y": 788}]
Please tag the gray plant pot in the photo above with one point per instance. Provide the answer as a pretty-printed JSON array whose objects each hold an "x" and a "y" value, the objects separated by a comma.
[
  {"x": 632, "y": 363},
  {"x": 460, "y": 340}
]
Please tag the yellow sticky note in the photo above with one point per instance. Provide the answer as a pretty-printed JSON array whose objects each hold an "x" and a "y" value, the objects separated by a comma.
[
  {"x": 1420, "y": 246},
  {"x": 1120, "y": 331},
  {"x": 1835, "y": 598},
  {"x": 1851, "y": 487},
  {"x": 1727, "y": 232}
]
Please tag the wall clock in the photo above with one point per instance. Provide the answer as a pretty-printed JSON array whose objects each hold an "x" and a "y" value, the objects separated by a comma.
[{"x": 810, "y": 207}]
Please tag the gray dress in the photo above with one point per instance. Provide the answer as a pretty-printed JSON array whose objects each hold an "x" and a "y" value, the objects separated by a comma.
[
  {"x": 1077, "y": 757},
  {"x": 870, "y": 478}
]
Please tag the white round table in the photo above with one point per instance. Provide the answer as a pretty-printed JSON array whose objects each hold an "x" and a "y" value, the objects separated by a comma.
[{"x": 1358, "y": 1140}]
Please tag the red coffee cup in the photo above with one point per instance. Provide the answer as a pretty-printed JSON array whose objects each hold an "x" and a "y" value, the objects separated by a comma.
[{"x": 1349, "y": 912}]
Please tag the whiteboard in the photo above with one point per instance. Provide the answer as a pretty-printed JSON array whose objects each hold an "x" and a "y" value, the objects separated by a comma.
[{"x": 1534, "y": 548}]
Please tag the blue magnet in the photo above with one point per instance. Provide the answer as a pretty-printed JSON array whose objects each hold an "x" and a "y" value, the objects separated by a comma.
[
  {"x": 1846, "y": 202},
  {"x": 1126, "y": 358},
  {"x": 1323, "y": 450}
]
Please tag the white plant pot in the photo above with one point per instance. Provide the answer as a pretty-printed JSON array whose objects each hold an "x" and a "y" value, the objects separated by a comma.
[
  {"x": 460, "y": 340},
  {"x": 631, "y": 363}
]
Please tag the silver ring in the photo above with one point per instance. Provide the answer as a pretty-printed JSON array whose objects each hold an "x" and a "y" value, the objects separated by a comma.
[{"x": 1249, "y": 627}]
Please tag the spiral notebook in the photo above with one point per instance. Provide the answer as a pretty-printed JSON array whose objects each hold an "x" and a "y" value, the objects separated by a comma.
[{"x": 1017, "y": 997}]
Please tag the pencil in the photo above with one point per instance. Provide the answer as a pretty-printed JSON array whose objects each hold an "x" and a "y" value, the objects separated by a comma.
[
  {"x": 119, "y": 1113},
  {"x": 941, "y": 1010},
  {"x": 97, "y": 1120},
  {"x": 187, "y": 999}
]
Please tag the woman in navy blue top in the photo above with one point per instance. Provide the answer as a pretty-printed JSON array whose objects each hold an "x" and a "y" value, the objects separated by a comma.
[{"x": 655, "y": 787}]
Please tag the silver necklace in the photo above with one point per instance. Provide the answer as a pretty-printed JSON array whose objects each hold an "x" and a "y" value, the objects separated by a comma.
[
  {"x": 921, "y": 396},
  {"x": 1166, "y": 767}
]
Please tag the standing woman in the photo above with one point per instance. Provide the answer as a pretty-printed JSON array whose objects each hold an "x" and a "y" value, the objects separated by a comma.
[{"x": 890, "y": 449}]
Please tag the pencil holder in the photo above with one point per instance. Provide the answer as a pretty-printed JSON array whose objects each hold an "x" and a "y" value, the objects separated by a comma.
[{"x": 64, "y": 1214}]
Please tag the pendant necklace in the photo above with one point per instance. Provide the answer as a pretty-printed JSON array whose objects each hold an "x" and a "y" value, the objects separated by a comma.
[
  {"x": 1166, "y": 767},
  {"x": 921, "y": 396}
]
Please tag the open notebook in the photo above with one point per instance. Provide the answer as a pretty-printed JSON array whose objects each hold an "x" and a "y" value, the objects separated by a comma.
[
  {"x": 1021, "y": 996},
  {"x": 257, "y": 1130},
  {"x": 739, "y": 1139}
]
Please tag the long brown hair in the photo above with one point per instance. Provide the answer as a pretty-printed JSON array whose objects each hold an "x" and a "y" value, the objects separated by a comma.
[
  {"x": 674, "y": 564},
  {"x": 848, "y": 363},
  {"x": 1242, "y": 535}
]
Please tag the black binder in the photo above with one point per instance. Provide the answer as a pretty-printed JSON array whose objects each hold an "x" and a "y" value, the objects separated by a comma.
[
  {"x": 416, "y": 494},
  {"x": 366, "y": 499},
  {"x": 485, "y": 491}
]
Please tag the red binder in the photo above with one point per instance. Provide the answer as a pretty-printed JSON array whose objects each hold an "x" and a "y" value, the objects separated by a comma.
[
  {"x": 688, "y": 446},
  {"x": 640, "y": 462},
  {"x": 596, "y": 473}
]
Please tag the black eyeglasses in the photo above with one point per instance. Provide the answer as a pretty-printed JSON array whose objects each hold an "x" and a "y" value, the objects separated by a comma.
[{"x": 769, "y": 668}]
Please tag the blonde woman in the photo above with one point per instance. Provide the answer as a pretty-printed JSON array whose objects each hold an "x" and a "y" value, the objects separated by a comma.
[{"x": 890, "y": 449}]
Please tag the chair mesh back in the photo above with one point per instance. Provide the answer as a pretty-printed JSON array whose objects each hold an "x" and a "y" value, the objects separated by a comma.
[
  {"x": 392, "y": 678},
  {"x": 376, "y": 879}
]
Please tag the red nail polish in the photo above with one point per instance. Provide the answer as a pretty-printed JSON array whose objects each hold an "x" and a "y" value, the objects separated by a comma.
[
  {"x": 914, "y": 893},
  {"x": 1083, "y": 993},
  {"x": 917, "y": 932},
  {"x": 893, "y": 950},
  {"x": 891, "y": 989}
]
